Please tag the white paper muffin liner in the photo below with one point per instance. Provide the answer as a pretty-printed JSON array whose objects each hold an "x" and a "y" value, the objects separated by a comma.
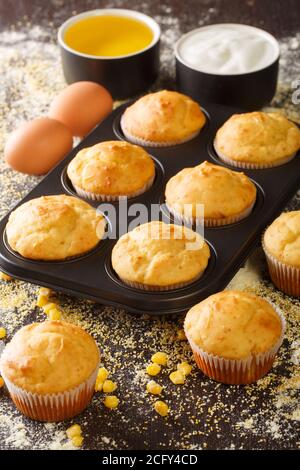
[
  {"x": 285, "y": 277},
  {"x": 111, "y": 198},
  {"x": 150, "y": 143},
  {"x": 210, "y": 222},
  {"x": 56, "y": 406},
  {"x": 252, "y": 166},
  {"x": 148, "y": 287},
  {"x": 237, "y": 372}
]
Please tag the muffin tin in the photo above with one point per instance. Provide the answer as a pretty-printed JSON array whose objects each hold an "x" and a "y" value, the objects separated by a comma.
[{"x": 91, "y": 275}]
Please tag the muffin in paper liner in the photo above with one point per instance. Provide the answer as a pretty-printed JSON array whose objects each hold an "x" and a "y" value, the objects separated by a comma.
[
  {"x": 252, "y": 166},
  {"x": 210, "y": 222},
  {"x": 284, "y": 276},
  {"x": 149, "y": 143},
  {"x": 56, "y": 406},
  {"x": 233, "y": 371},
  {"x": 157, "y": 288},
  {"x": 111, "y": 198}
]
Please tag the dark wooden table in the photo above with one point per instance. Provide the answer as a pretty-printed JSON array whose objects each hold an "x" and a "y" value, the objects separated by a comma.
[{"x": 204, "y": 414}]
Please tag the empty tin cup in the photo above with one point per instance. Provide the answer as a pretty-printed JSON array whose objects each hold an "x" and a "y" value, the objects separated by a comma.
[
  {"x": 230, "y": 64},
  {"x": 123, "y": 75}
]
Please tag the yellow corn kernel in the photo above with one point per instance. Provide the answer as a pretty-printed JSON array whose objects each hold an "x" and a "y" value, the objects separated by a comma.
[
  {"x": 153, "y": 369},
  {"x": 161, "y": 408},
  {"x": 45, "y": 291},
  {"x": 177, "y": 377},
  {"x": 153, "y": 387},
  {"x": 77, "y": 441},
  {"x": 2, "y": 333},
  {"x": 74, "y": 430},
  {"x": 102, "y": 374},
  {"x": 54, "y": 314},
  {"x": 5, "y": 277},
  {"x": 160, "y": 358},
  {"x": 1, "y": 382},
  {"x": 42, "y": 300},
  {"x": 181, "y": 335},
  {"x": 98, "y": 385},
  {"x": 109, "y": 386},
  {"x": 49, "y": 306},
  {"x": 111, "y": 401},
  {"x": 185, "y": 368}
]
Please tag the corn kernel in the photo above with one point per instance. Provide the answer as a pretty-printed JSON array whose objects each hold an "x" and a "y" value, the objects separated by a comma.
[
  {"x": 1, "y": 382},
  {"x": 42, "y": 300},
  {"x": 74, "y": 430},
  {"x": 77, "y": 441},
  {"x": 54, "y": 314},
  {"x": 153, "y": 387},
  {"x": 5, "y": 277},
  {"x": 185, "y": 368},
  {"x": 160, "y": 358},
  {"x": 102, "y": 374},
  {"x": 177, "y": 377},
  {"x": 98, "y": 385},
  {"x": 2, "y": 333},
  {"x": 161, "y": 408},
  {"x": 181, "y": 335},
  {"x": 109, "y": 386},
  {"x": 45, "y": 292},
  {"x": 111, "y": 401},
  {"x": 153, "y": 369},
  {"x": 49, "y": 306}
]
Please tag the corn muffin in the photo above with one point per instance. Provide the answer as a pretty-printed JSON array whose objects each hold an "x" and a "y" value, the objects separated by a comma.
[
  {"x": 111, "y": 170},
  {"x": 227, "y": 196},
  {"x": 234, "y": 336},
  {"x": 161, "y": 119},
  {"x": 281, "y": 244},
  {"x": 50, "y": 369},
  {"x": 159, "y": 256},
  {"x": 52, "y": 228},
  {"x": 257, "y": 140}
]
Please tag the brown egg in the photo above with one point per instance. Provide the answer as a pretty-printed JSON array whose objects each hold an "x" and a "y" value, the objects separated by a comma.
[
  {"x": 81, "y": 106},
  {"x": 37, "y": 146}
]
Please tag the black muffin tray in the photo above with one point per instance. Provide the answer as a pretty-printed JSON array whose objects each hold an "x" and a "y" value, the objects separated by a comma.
[{"x": 91, "y": 276}]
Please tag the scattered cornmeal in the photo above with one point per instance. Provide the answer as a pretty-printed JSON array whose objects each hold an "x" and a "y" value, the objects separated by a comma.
[
  {"x": 5, "y": 277},
  {"x": 177, "y": 377},
  {"x": 74, "y": 430},
  {"x": 2, "y": 333},
  {"x": 185, "y": 368},
  {"x": 153, "y": 387},
  {"x": 49, "y": 306},
  {"x": 102, "y": 374},
  {"x": 109, "y": 386},
  {"x": 160, "y": 358},
  {"x": 181, "y": 335},
  {"x": 1, "y": 382},
  {"x": 111, "y": 401},
  {"x": 161, "y": 408},
  {"x": 153, "y": 369},
  {"x": 54, "y": 314}
]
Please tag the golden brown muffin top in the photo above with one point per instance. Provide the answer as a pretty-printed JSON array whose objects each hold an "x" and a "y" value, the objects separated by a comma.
[
  {"x": 164, "y": 116},
  {"x": 49, "y": 357},
  {"x": 258, "y": 138},
  {"x": 233, "y": 325},
  {"x": 160, "y": 254},
  {"x": 223, "y": 192},
  {"x": 113, "y": 167},
  {"x": 282, "y": 238},
  {"x": 54, "y": 228}
]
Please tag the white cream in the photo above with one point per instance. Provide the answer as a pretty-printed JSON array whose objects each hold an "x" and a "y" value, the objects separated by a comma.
[{"x": 227, "y": 49}]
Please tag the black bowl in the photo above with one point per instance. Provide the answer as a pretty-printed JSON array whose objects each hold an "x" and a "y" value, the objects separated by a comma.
[
  {"x": 124, "y": 76},
  {"x": 250, "y": 90}
]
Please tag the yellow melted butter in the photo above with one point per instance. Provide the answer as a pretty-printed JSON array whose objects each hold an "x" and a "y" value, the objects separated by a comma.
[{"x": 108, "y": 36}]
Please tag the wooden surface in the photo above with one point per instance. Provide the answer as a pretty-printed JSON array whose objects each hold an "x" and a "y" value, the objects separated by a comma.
[{"x": 204, "y": 414}]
